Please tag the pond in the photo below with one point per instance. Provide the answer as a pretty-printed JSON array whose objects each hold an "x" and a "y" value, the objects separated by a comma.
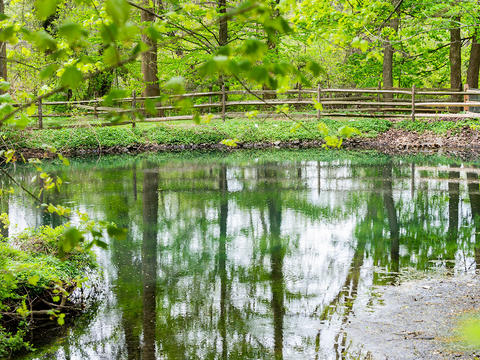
[{"x": 254, "y": 255}]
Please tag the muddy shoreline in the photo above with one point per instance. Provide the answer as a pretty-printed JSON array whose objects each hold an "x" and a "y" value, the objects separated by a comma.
[
  {"x": 417, "y": 320},
  {"x": 464, "y": 144}
]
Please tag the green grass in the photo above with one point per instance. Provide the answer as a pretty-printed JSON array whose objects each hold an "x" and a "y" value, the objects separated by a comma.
[
  {"x": 437, "y": 127},
  {"x": 186, "y": 132}
]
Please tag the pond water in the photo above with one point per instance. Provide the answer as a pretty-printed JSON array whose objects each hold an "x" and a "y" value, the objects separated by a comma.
[{"x": 255, "y": 255}]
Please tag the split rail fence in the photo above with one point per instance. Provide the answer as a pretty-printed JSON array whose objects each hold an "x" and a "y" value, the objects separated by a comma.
[{"x": 388, "y": 103}]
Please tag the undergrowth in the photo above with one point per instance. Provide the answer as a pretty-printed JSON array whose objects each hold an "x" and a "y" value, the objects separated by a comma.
[
  {"x": 246, "y": 131},
  {"x": 35, "y": 283},
  {"x": 438, "y": 127}
]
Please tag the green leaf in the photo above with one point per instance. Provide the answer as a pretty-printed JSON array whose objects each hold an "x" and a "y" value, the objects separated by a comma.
[
  {"x": 323, "y": 129},
  {"x": 114, "y": 94},
  {"x": 150, "y": 105},
  {"x": 42, "y": 40},
  {"x": 118, "y": 10},
  {"x": 347, "y": 131},
  {"x": 61, "y": 319},
  {"x": 101, "y": 244},
  {"x": 109, "y": 33},
  {"x": 4, "y": 85},
  {"x": 45, "y": 8},
  {"x": 48, "y": 71},
  {"x": 111, "y": 56},
  {"x": 70, "y": 239},
  {"x": 71, "y": 31},
  {"x": 7, "y": 33},
  {"x": 33, "y": 280},
  {"x": 314, "y": 68},
  {"x": 117, "y": 233},
  {"x": 5, "y": 98},
  {"x": 196, "y": 118},
  {"x": 208, "y": 68},
  {"x": 254, "y": 48},
  {"x": 71, "y": 77},
  {"x": 176, "y": 84}
]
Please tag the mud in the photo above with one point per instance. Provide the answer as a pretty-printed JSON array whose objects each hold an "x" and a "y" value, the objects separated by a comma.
[{"x": 416, "y": 320}]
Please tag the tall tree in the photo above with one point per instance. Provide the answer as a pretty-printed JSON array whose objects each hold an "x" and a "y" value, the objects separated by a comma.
[
  {"x": 149, "y": 57},
  {"x": 223, "y": 23},
  {"x": 3, "y": 49},
  {"x": 474, "y": 62},
  {"x": 456, "y": 58},
  {"x": 388, "y": 50}
]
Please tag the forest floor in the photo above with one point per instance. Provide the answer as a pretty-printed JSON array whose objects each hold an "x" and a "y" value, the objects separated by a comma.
[
  {"x": 419, "y": 319},
  {"x": 455, "y": 137}
]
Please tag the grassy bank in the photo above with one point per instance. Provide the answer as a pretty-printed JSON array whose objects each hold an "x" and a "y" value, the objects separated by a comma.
[
  {"x": 36, "y": 284},
  {"x": 246, "y": 131},
  {"x": 243, "y": 131}
]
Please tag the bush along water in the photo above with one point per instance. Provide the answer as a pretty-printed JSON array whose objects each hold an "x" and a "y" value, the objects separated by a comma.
[{"x": 41, "y": 272}]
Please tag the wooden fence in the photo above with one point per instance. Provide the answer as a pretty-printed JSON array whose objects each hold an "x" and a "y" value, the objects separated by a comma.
[{"x": 389, "y": 103}]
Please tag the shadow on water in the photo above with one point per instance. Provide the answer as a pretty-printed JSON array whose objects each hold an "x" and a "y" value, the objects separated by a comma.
[{"x": 251, "y": 259}]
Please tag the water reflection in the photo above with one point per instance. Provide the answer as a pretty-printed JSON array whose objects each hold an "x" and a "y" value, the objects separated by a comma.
[{"x": 254, "y": 259}]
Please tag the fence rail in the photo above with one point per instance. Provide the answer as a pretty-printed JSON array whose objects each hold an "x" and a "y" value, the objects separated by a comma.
[{"x": 395, "y": 103}]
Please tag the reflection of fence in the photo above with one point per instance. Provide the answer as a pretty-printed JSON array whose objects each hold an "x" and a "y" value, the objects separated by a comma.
[{"x": 389, "y": 103}]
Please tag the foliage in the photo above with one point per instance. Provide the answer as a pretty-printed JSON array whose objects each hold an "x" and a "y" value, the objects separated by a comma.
[
  {"x": 212, "y": 133},
  {"x": 438, "y": 127},
  {"x": 31, "y": 269}
]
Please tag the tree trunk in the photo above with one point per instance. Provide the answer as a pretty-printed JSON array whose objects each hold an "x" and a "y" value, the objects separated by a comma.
[
  {"x": 272, "y": 45},
  {"x": 474, "y": 63},
  {"x": 223, "y": 23},
  {"x": 149, "y": 57},
  {"x": 388, "y": 51},
  {"x": 3, "y": 50},
  {"x": 456, "y": 62},
  {"x": 222, "y": 33}
]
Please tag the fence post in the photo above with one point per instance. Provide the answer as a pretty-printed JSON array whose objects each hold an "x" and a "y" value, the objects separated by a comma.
[
  {"x": 413, "y": 102},
  {"x": 378, "y": 95},
  {"x": 319, "y": 97},
  {"x": 466, "y": 98},
  {"x": 223, "y": 102},
  {"x": 95, "y": 105},
  {"x": 210, "y": 97},
  {"x": 40, "y": 114},
  {"x": 134, "y": 106}
]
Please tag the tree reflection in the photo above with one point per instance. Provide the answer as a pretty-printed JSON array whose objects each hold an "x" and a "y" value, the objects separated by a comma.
[
  {"x": 392, "y": 216},
  {"x": 149, "y": 262},
  {"x": 453, "y": 202},
  {"x": 277, "y": 253},
  {"x": 222, "y": 257},
  {"x": 474, "y": 194}
]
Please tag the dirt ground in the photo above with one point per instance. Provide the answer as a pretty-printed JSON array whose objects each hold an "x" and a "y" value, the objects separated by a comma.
[
  {"x": 417, "y": 320},
  {"x": 464, "y": 143}
]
